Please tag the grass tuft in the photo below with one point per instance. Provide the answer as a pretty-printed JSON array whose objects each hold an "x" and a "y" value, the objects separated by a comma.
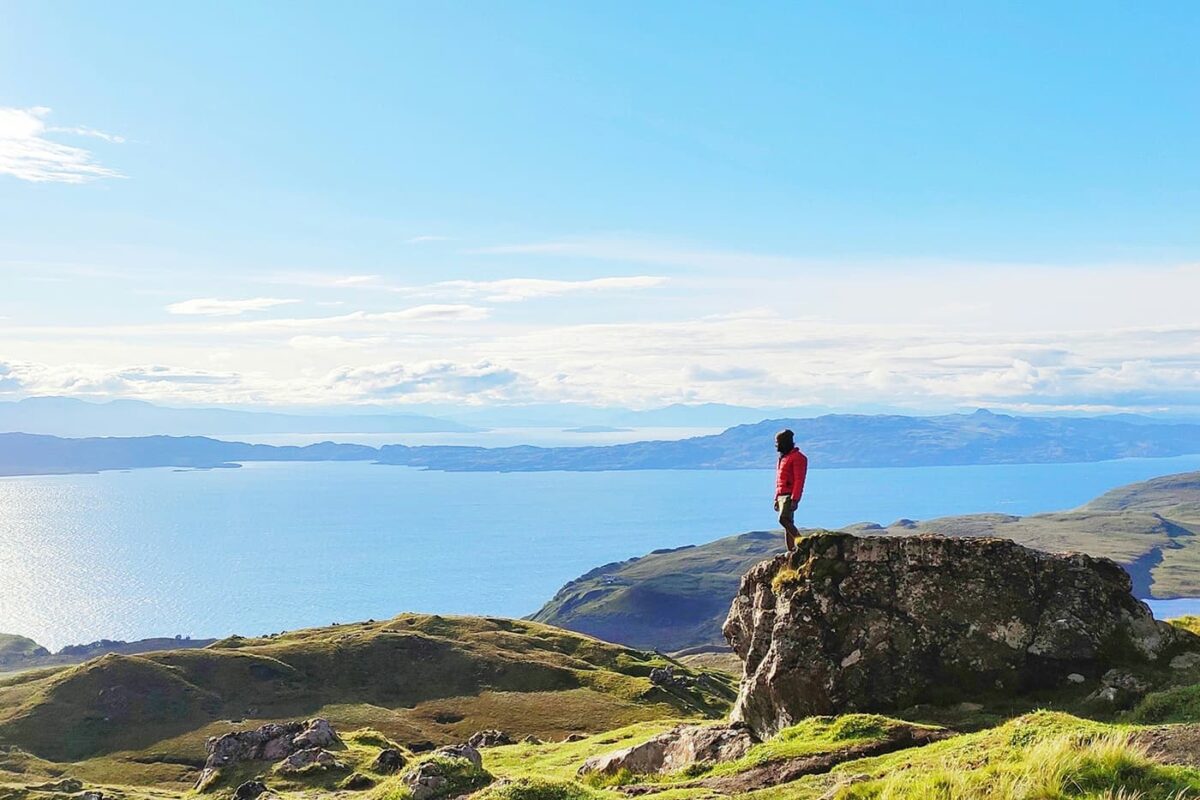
[{"x": 538, "y": 789}]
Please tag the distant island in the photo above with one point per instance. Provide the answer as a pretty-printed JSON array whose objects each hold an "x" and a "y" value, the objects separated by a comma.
[
  {"x": 831, "y": 441},
  {"x": 21, "y": 653}
]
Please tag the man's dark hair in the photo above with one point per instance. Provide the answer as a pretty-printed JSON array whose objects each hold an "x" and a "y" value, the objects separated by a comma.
[{"x": 786, "y": 437}]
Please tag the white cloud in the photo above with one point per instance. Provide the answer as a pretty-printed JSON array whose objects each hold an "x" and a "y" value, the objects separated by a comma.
[
  {"x": 649, "y": 252},
  {"x": 212, "y": 307},
  {"x": 83, "y": 130},
  {"x": 429, "y": 381},
  {"x": 509, "y": 290},
  {"x": 326, "y": 344},
  {"x": 432, "y": 312},
  {"x": 26, "y": 152},
  {"x": 503, "y": 290},
  {"x": 424, "y": 239}
]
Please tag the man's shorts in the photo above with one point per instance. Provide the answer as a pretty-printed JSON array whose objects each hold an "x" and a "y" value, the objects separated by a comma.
[{"x": 787, "y": 510}]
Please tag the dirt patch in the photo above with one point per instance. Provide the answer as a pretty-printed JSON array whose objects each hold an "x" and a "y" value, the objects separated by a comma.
[
  {"x": 775, "y": 773},
  {"x": 1171, "y": 744}
]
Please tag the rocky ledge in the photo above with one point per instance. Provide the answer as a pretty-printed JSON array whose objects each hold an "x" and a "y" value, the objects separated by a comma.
[{"x": 874, "y": 623}]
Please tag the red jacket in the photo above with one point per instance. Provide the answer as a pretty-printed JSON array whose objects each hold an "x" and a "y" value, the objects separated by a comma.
[{"x": 790, "y": 474}]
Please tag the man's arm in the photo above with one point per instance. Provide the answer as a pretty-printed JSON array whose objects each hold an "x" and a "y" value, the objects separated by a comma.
[{"x": 799, "y": 474}]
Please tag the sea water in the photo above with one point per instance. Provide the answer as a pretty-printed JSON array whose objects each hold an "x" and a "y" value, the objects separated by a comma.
[{"x": 268, "y": 547}]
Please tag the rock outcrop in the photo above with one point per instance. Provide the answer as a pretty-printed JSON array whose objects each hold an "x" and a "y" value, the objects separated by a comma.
[
  {"x": 489, "y": 738},
  {"x": 275, "y": 741},
  {"x": 674, "y": 750},
  {"x": 873, "y": 623},
  {"x": 441, "y": 774}
]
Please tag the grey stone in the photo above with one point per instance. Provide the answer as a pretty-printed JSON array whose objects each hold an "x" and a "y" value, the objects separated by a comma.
[
  {"x": 674, "y": 750},
  {"x": 929, "y": 617}
]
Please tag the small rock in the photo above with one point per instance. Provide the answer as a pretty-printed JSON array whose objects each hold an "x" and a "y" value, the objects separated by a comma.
[
  {"x": 1185, "y": 660},
  {"x": 574, "y": 737},
  {"x": 1120, "y": 688},
  {"x": 319, "y": 733},
  {"x": 388, "y": 761},
  {"x": 461, "y": 751},
  {"x": 1075, "y": 677},
  {"x": 489, "y": 738},
  {"x": 968, "y": 707},
  {"x": 91, "y": 794},
  {"x": 531, "y": 739},
  {"x": 308, "y": 758},
  {"x": 666, "y": 677},
  {"x": 65, "y": 786},
  {"x": 356, "y": 781},
  {"x": 249, "y": 790},
  {"x": 426, "y": 780}
]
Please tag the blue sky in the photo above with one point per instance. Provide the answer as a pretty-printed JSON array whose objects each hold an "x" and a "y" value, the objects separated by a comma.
[{"x": 919, "y": 205}]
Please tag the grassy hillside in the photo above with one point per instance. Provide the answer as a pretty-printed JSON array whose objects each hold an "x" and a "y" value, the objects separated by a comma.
[
  {"x": 19, "y": 649},
  {"x": 26, "y": 654},
  {"x": 415, "y": 678},
  {"x": 675, "y": 600},
  {"x": 669, "y": 600}
]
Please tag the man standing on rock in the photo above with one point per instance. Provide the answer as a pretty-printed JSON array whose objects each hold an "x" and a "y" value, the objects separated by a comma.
[{"x": 789, "y": 483}]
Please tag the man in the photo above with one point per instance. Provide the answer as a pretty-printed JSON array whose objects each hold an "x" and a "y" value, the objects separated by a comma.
[{"x": 789, "y": 483}]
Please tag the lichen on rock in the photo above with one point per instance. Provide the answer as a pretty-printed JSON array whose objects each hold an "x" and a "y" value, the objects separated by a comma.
[{"x": 873, "y": 623}]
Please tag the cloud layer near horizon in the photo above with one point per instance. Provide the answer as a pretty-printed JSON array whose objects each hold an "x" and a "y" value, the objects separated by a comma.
[{"x": 917, "y": 337}]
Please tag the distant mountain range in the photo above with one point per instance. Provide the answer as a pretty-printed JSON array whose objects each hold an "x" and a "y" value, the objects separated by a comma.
[
  {"x": 67, "y": 416},
  {"x": 835, "y": 440},
  {"x": 841, "y": 440}
]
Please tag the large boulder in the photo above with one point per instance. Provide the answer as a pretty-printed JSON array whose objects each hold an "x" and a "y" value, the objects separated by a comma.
[
  {"x": 872, "y": 623},
  {"x": 674, "y": 750}
]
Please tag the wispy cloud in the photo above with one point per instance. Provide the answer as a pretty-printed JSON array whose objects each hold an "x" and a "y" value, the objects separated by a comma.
[
  {"x": 426, "y": 381},
  {"x": 212, "y": 307},
  {"x": 431, "y": 312},
  {"x": 645, "y": 252},
  {"x": 425, "y": 239},
  {"x": 509, "y": 290},
  {"x": 502, "y": 290},
  {"x": 28, "y": 154}
]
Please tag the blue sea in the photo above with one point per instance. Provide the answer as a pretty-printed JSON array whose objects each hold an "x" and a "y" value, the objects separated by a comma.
[{"x": 268, "y": 547}]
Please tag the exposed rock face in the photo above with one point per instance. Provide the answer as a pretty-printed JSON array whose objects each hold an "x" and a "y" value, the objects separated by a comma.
[
  {"x": 274, "y": 741},
  {"x": 677, "y": 748},
  {"x": 879, "y": 622}
]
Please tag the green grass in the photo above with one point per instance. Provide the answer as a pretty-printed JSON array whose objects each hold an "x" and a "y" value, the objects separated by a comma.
[
  {"x": 1177, "y": 704},
  {"x": 1189, "y": 622},
  {"x": 1065, "y": 766},
  {"x": 14, "y": 648},
  {"x": 413, "y": 678},
  {"x": 539, "y": 789},
  {"x": 462, "y": 777}
]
